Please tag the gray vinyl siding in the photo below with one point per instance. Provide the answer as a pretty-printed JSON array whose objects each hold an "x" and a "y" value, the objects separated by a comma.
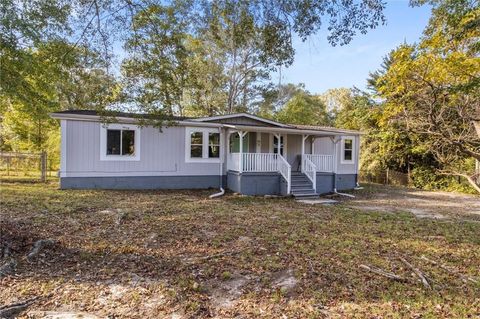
[
  {"x": 294, "y": 148},
  {"x": 326, "y": 146},
  {"x": 161, "y": 154},
  {"x": 265, "y": 143}
]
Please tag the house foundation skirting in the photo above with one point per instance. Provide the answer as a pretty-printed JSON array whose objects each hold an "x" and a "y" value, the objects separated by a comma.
[
  {"x": 256, "y": 183},
  {"x": 142, "y": 182},
  {"x": 243, "y": 183},
  {"x": 326, "y": 182}
]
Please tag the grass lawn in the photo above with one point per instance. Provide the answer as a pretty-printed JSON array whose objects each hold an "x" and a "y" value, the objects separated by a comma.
[{"x": 176, "y": 254}]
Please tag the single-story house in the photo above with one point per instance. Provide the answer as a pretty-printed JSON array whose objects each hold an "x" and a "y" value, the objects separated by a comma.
[{"x": 241, "y": 152}]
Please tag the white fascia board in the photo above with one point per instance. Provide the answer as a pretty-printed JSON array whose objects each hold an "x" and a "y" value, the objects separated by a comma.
[
  {"x": 284, "y": 130},
  {"x": 128, "y": 120}
]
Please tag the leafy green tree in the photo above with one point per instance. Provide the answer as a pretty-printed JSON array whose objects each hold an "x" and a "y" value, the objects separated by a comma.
[{"x": 304, "y": 108}]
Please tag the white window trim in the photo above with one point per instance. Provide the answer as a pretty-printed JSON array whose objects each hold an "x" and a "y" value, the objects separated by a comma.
[
  {"x": 342, "y": 150},
  {"x": 103, "y": 142},
  {"x": 204, "y": 158}
]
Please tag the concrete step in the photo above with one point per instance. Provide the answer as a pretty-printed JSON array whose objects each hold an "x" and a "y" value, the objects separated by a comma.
[{"x": 305, "y": 195}]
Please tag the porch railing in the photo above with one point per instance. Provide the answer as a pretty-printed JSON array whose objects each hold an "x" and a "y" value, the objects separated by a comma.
[
  {"x": 285, "y": 169},
  {"x": 323, "y": 163},
  {"x": 310, "y": 170},
  {"x": 260, "y": 162}
]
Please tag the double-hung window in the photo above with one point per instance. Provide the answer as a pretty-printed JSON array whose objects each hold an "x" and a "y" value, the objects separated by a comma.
[
  {"x": 347, "y": 150},
  {"x": 202, "y": 145},
  {"x": 119, "y": 142}
]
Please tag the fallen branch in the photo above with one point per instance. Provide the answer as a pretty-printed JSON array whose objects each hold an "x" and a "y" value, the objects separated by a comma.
[
  {"x": 38, "y": 246},
  {"x": 418, "y": 272},
  {"x": 382, "y": 272},
  {"x": 198, "y": 258},
  {"x": 452, "y": 271},
  {"x": 12, "y": 310}
]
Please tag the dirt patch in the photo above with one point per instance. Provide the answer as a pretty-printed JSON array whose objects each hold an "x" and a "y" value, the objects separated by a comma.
[
  {"x": 422, "y": 204},
  {"x": 285, "y": 281},
  {"x": 224, "y": 294}
]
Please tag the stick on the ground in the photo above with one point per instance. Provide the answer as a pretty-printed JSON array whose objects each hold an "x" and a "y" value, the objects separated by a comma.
[
  {"x": 382, "y": 272},
  {"x": 38, "y": 246},
  {"x": 452, "y": 271},
  {"x": 10, "y": 311},
  {"x": 417, "y": 272},
  {"x": 208, "y": 257}
]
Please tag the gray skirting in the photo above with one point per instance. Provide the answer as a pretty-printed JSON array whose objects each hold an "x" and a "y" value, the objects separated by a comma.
[
  {"x": 326, "y": 182},
  {"x": 245, "y": 183},
  {"x": 256, "y": 183},
  {"x": 142, "y": 182}
]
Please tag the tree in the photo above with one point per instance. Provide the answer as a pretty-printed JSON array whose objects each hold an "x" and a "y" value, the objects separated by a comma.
[
  {"x": 72, "y": 83},
  {"x": 432, "y": 89},
  {"x": 304, "y": 108}
]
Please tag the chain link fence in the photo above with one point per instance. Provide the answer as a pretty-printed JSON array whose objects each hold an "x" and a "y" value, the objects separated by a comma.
[{"x": 386, "y": 177}]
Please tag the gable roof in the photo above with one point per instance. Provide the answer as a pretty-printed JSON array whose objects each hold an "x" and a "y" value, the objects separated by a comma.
[
  {"x": 256, "y": 123},
  {"x": 222, "y": 118}
]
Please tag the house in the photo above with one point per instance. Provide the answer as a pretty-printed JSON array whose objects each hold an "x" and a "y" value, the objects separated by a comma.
[{"x": 242, "y": 152}]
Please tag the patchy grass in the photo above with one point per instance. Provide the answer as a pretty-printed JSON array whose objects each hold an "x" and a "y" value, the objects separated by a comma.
[{"x": 155, "y": 254}]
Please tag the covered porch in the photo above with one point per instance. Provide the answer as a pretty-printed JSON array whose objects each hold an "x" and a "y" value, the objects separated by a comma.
[{"x": 257, "y": 154}]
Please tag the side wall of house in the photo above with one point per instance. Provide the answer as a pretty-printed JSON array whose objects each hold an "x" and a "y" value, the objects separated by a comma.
[
  {"x": 346, "y": 173},
  {"x": 162, "y": 160}
]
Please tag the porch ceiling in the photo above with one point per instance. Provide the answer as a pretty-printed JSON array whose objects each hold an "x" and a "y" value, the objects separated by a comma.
[{"x": 289, "y": 130}]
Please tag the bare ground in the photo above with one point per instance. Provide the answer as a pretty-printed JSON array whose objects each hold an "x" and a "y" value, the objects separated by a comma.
[
  {"x": 176, "y": 254},
  {"x": 422, "y": 204}
]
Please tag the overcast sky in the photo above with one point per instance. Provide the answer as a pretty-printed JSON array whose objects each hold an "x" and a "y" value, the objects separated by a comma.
[{"x": 320, "y": 66}]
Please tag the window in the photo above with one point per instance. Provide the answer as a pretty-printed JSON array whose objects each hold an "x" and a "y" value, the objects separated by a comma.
[
  {"x": 213, "y": 145},
  {"x": 347, "y": 150},
  {"x": 202, "y": 145},
  {"x": 196, "y": 145},
  {"x": 278, "y": 147},
  {"x": 119, "y": 142}
]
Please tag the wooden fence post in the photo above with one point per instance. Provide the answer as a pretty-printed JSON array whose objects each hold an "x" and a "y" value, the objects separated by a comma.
[
  {"x": 386, "y": 177},
  {"x": 43, "y": 161}
]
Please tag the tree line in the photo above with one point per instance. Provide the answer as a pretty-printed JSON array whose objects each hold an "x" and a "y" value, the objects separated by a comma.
[{"x": 197, "y": 58}]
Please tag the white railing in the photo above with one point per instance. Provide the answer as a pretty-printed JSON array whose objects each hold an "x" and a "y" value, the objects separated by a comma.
[
  {"x": 310, "y": 170},
  {"x": 323, "y": 163},
  {"x": 259, "y": 162},
  {"x": 286, "y": 170}
]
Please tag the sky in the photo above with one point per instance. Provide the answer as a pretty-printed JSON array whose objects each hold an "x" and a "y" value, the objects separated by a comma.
[{"x": 321, "y": 67}]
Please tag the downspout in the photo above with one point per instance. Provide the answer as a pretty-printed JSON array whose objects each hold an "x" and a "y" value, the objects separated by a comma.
[
  {"x": 222, "y": 190},
  {"x": 335, "y": 172}
]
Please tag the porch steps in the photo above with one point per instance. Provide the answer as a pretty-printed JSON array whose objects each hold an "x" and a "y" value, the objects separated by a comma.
[{"x": 301, "y": 186}]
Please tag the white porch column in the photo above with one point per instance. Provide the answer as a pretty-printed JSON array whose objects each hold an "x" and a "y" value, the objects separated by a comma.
[
  {"x": 304, "y": 138},
  {"x": 241, "y": 134}
]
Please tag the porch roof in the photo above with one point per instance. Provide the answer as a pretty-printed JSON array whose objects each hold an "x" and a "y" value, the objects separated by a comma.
[{"x": 298, "y": 129}]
